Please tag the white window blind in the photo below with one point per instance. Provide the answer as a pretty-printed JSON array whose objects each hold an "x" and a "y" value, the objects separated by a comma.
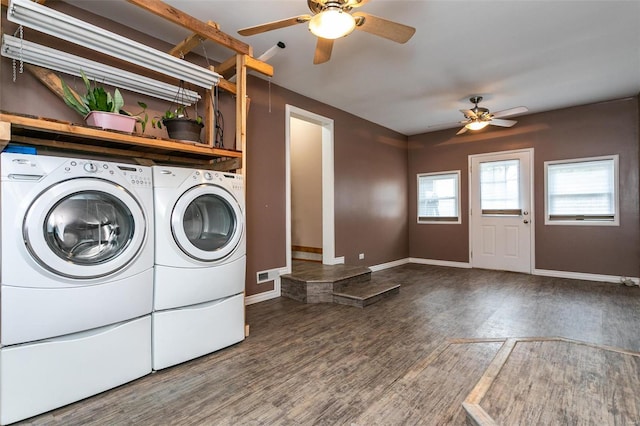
[
  {"x": 438, "y": 197},
  {"x": 582, "y": 190}
]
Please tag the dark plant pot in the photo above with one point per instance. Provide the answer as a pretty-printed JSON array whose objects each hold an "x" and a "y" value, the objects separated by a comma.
[{"x": 184, "y": 129}]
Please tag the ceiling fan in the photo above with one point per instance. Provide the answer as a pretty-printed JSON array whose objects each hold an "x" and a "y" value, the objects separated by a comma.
[
  {"x": 332, "y": 19},
  {"x": 478, "y": 117}
]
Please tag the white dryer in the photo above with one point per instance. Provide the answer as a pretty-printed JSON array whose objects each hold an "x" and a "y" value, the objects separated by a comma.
[
  {"x": 200, "y": 261},
  {"x": 76, "y": 279}
]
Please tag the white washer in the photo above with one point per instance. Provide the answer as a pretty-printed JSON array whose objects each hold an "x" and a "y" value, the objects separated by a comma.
[
  {"x": 77, "y": 245},
  {"x": 200, "y": 262},
  {"x": 76, "y": 275}
]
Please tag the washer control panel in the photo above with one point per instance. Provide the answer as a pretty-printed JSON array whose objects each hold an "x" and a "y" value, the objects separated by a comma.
[{"x": 134, "y": 175}]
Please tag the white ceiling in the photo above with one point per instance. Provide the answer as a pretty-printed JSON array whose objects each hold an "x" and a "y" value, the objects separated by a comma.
[{"x": 542, "y": 54}]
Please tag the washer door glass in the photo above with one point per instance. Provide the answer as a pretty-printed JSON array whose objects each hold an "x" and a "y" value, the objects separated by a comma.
[
  {"x": 89, "y": 228},
  {"x": 207, "y": 223},
  {"x": 84, "y": 228}
]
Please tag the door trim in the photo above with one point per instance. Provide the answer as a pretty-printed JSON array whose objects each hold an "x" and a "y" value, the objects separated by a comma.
[
  {"x": 532, "y": 197},
  {"x": 328, "y": 222}
]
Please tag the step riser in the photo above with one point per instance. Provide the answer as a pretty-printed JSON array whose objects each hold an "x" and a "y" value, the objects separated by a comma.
[
  {"x": 307, "y": 292},
  {"x": 340, "y": 285},
  {"x": 361, "y": 303}
]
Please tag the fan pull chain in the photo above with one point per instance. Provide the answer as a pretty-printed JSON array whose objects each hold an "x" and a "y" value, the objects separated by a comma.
[{"x": 269, "y": 95}]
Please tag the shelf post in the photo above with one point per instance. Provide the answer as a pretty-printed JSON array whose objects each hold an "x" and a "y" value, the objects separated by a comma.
[{"x": 241, "y": 110}]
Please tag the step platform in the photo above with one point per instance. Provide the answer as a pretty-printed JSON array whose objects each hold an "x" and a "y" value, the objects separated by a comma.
[{"x": 312, "y": 282}]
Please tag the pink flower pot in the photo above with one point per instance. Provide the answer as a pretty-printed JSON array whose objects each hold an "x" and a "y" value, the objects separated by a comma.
[{"x": 111, "y": 120}]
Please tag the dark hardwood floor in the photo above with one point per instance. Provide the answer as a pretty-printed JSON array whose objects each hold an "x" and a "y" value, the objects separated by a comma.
[{"x": 389, "y": 363}]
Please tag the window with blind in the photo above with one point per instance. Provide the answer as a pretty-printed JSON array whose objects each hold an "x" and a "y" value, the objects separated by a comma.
[
  {"x": 438, "y": 197},
  {"x": 582, "y": 191}
]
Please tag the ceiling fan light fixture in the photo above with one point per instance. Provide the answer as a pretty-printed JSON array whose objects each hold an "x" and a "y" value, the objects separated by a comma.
[
  {"x": 476, "y": 125},
  {"x": 332, "y": 23}
]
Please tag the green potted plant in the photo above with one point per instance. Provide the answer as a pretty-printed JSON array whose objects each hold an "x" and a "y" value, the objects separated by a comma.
[
  {"x": 179, "y": 125},
  {"x": 99, "y": 108},
  {"x": 177, "y": 121}
]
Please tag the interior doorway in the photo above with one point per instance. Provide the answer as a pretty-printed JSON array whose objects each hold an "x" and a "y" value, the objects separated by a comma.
[
  {"x": 501, "y": 210},
  {"x": 293, "y": 117},
  {"x": 306, "y": 190}
]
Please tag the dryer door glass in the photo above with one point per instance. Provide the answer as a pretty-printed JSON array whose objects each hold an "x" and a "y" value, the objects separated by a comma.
[
  {"x": 89, "y": 228},
  {"x": 209, "y": 222}
]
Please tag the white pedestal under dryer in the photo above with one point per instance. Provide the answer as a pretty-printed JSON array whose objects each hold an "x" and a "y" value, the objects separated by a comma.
[
  {"x": 76, "y": 280},
  {"x": 200, "y": 262}
]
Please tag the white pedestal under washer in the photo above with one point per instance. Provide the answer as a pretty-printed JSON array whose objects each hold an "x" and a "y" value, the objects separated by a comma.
[
  {"x": 76, "y": 279},
  {"x": 44, "y": 375},
  {"x": 200, "y": 258}
]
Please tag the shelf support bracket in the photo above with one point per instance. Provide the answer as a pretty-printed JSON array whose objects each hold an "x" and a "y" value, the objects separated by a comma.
[
  {"x": 190, "y": 43},
  {"x": 187, "y": 21}
]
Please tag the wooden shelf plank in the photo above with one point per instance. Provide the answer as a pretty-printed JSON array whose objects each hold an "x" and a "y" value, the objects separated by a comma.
[{"x": 158, "y": 145}]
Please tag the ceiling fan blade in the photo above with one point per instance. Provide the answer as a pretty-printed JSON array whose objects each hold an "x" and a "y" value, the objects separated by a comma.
[
  {"x": 323, "y": 50},
  {"x": 249, "y": 31},
  {"x": 356, "y": 3},
  {"x": 510, "y": 111},
  {"x": 502, "y": 123},
  {"x": 381, "y": 27},
  {"x": 461, "y": 131},
  {"x": 470, "y": 114}
]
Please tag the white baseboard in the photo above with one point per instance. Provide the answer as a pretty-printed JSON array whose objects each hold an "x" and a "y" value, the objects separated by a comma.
[
  {"x": 335, "y": 261},
  {"x": 583, "y": 276},
  {"x": 388, "y": 265},
  {"x": 436, "y": 262},
  {"x": 267, "y": 295}
]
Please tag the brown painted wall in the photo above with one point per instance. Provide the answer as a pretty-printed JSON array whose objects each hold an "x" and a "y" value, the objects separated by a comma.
[
  {"x": 584, "y": 131},
  {"x": 370, "y": 164}
]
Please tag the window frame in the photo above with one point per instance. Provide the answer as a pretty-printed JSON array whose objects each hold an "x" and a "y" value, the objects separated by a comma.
[
  {"x": 435, "y": 219},
  {"x": 585, "y": 222}
]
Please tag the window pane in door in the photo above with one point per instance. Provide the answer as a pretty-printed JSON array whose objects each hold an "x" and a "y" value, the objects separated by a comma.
[{"x": 500, "y": 186}]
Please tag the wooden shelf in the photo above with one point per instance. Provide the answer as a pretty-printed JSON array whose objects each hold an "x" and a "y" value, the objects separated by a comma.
[{"x": 56, "y": 134}]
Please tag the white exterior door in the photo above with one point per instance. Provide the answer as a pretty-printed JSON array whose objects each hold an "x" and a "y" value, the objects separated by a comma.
[{"x": 501, "y": 210}]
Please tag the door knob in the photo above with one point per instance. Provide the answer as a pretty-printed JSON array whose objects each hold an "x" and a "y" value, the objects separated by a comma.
[{"x": 526, "y": 221}]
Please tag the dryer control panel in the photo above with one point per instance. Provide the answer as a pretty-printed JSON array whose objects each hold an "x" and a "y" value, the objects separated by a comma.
[{"x": 137, "y": 176}]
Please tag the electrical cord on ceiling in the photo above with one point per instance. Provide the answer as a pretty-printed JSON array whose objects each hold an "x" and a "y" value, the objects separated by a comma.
[
  {"x": 218, "y": 137},
  {"x": 13, "y": 61}
]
